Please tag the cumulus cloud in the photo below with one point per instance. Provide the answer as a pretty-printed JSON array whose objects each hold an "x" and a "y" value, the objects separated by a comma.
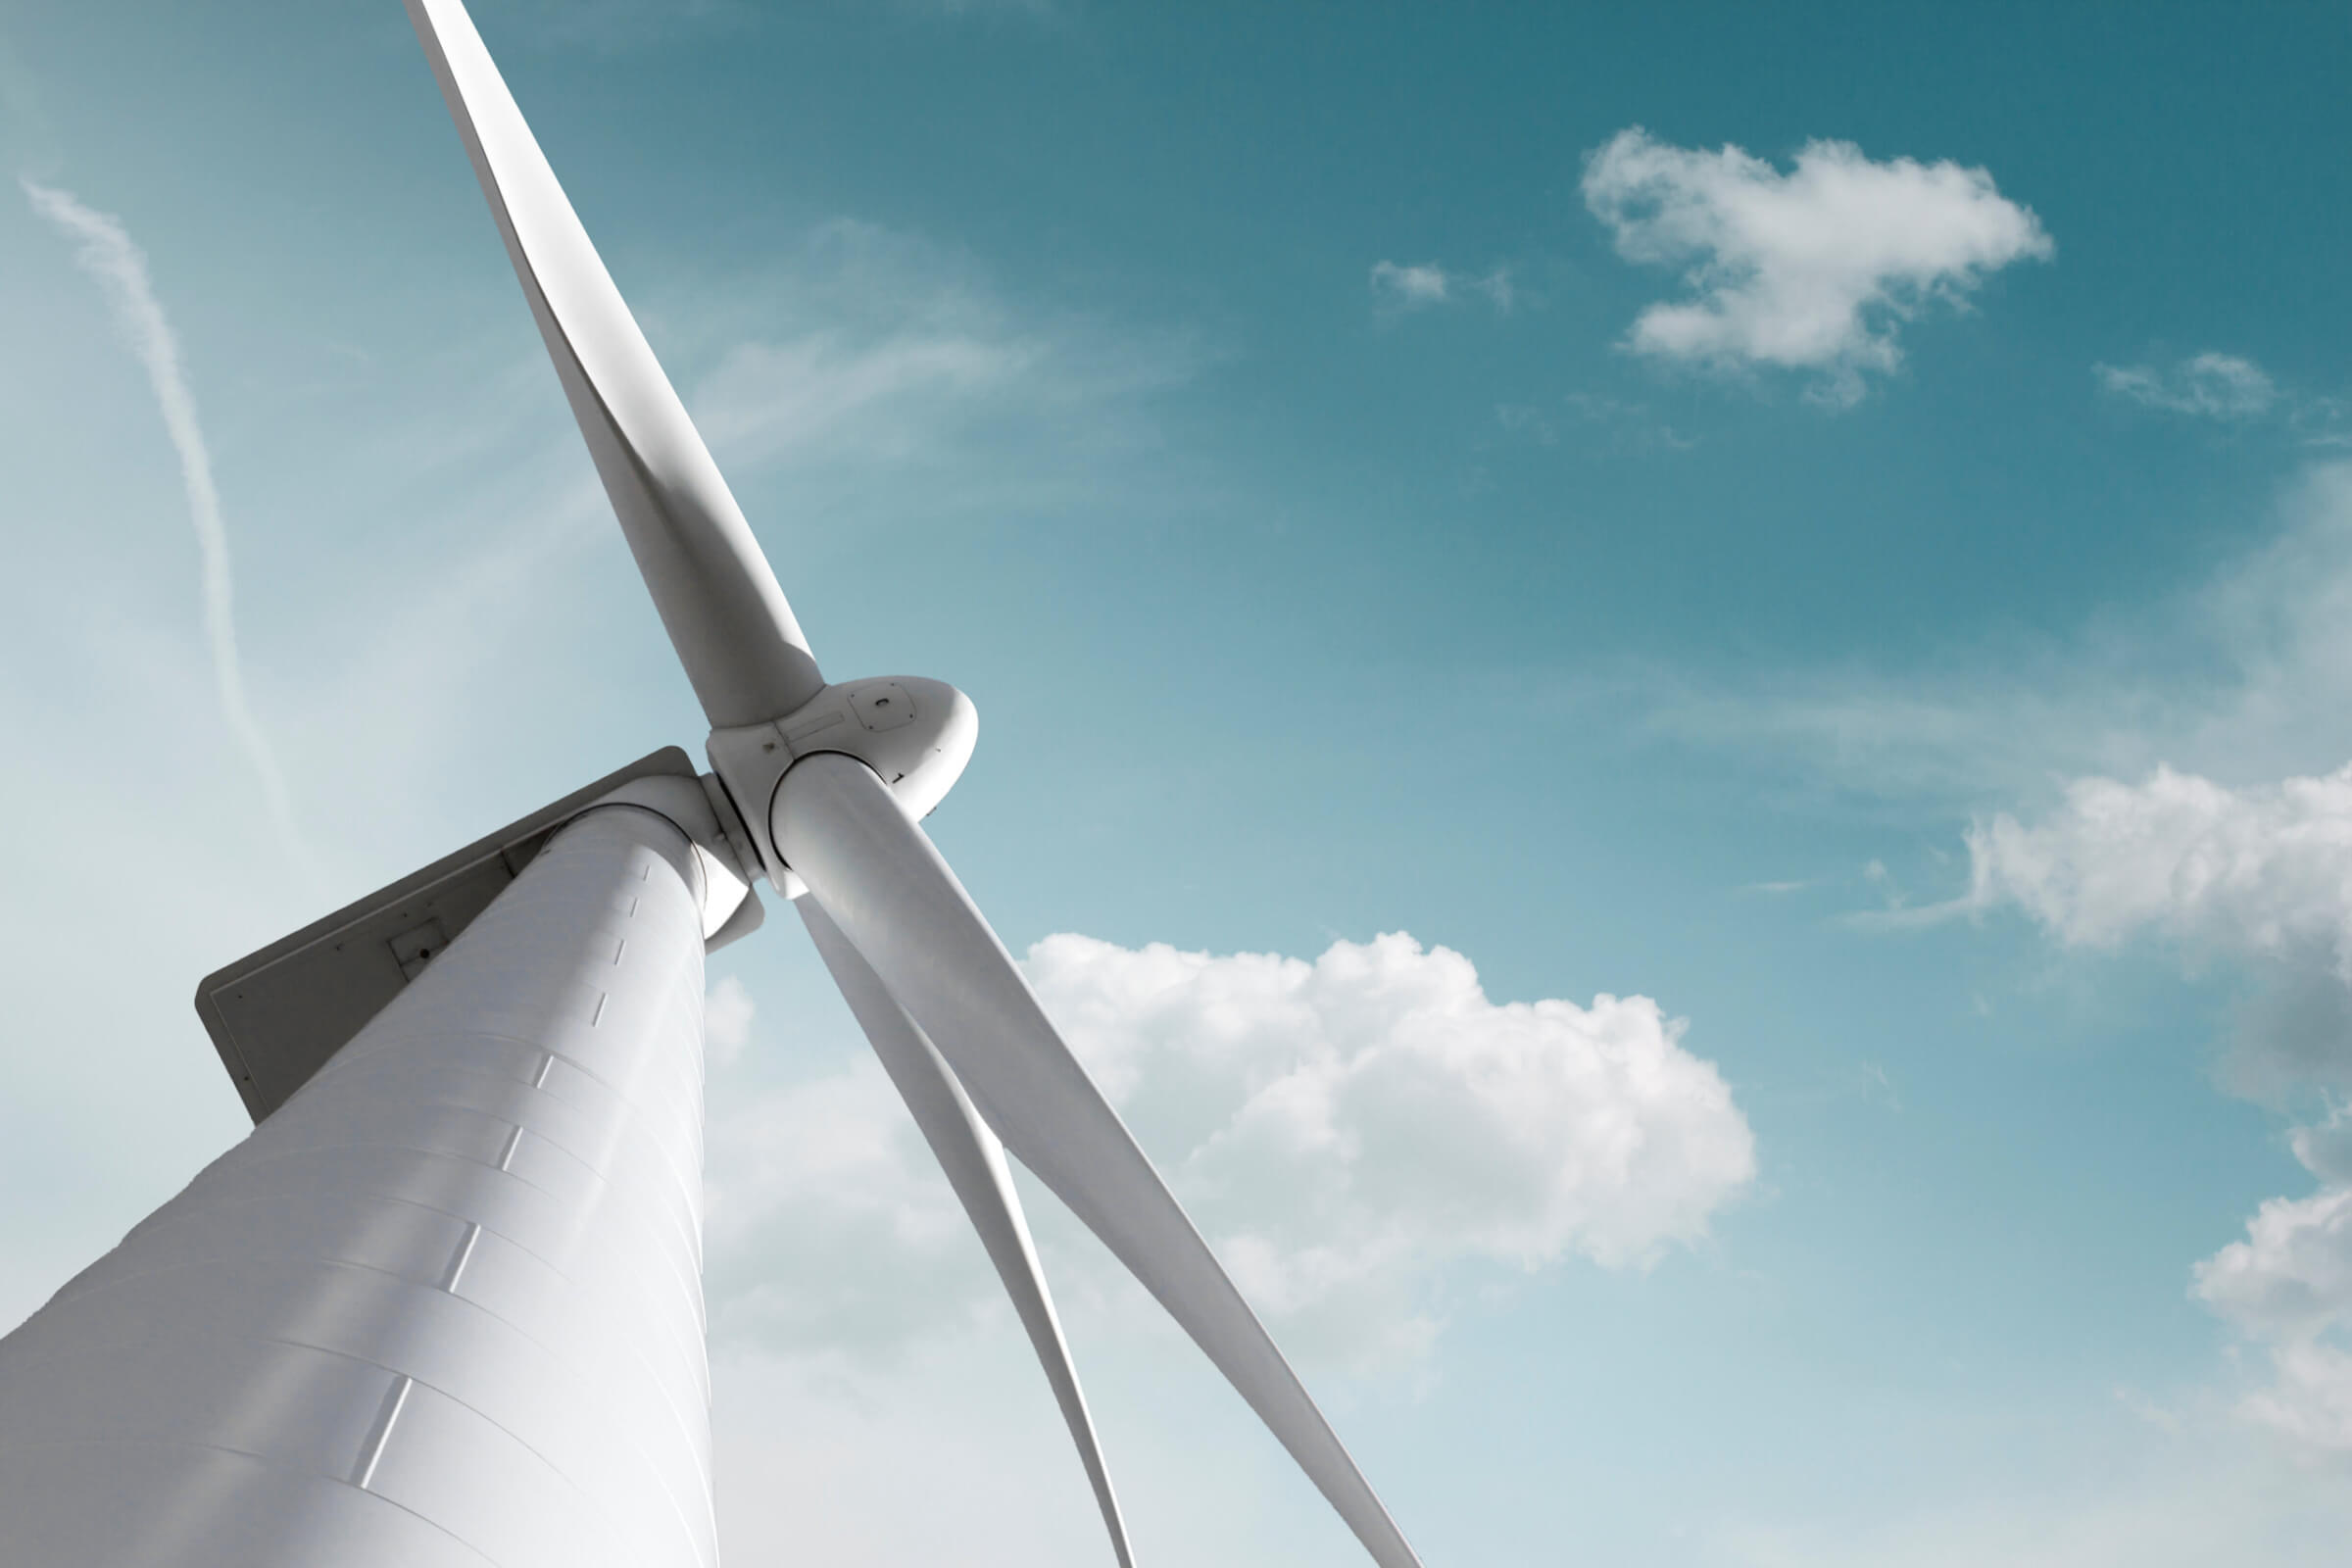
[
  {"x": 832, "y": 1233},
  {"x": 1414, "y": 287},
  {"x": 1812, "y": 269},
  {"x": 1372, "y": 1112},
  {"x": 728, "y": 1010},
  {"x": 2292, "y": 1277},
  {"x": 105, "y": 253},
  {"x": 2288, "y": 1285},
  {"x": 1344, "y": 1130},
  {"x": 2215, "y": 386},
  {"x": 2255, "y": 867},
  {"x": 2261, "y": 875}
]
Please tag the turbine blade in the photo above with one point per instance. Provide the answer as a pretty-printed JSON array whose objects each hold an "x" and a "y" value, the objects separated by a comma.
[
  {"x": 881, "y": 880},
  {"x": 974, "y": 1162},
  {"x": 718, "y": 598}
]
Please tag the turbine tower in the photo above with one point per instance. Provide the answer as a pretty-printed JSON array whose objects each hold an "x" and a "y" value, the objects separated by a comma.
[{"x": 444, "y": 1305}]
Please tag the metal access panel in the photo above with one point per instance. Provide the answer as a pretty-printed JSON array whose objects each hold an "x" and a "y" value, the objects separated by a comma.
[{"x": 277, "y": 1015}]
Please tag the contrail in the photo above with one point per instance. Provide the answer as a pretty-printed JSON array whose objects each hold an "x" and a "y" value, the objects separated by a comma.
[{"x": 107, "y": 254}]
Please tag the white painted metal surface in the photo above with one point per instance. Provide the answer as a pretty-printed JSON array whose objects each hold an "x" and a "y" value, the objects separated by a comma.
[
  {"x": 717, "y": 595},
  {"x": 915, "y": 734},
  {"x": 442, "y": 1308}
]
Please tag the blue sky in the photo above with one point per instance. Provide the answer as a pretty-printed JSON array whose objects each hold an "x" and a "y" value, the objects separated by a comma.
[{"x": 1915, "y": 659}]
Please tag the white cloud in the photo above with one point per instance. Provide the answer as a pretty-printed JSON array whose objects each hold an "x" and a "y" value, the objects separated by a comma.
[
  {"x": 1812, "y": 269},
  {"x": 767, "y": 398},
  {"x": 2288, "y": 1287},
  {"x": 1343, "y": 1130},
  {"x": 2261, "y": 875},
  {"x": 2218, "y": 386},
  {"x": 1410, "y": 287},
  {"x": 728, "y": 1010},
  {"x": 832, "y": 1234},
  {"x": 2256, "y": 869},
  {"x": 2236, "y": 855},
  {"x": 2291, "y": 1278},
  {"x": 2239, "y": 678},
  {"x": 120, "y": 268},
  {"x": 1426, "y": 284},
  {"x": 1349, "y": 1122},
  {"x": 879, "y": 353},
  {"x": 1622, "y": 426}
]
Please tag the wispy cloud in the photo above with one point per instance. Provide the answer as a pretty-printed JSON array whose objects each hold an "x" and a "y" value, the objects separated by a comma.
[
  {"x": 1622, "y": 425},
  {"x": 2232, "y": 389},
  {"x": 1812, "y": 269},
  {"x": 1398, "y": 288},
  {"x": 2238, "y": 678},
  {"x": 616, "y": 26},
  {"x": 2214, "y": 386},
  {"x": 1410, "y": 287},
  {"x": 613, "y": 26},
  {"x": 890, "y": 359},
  {"x": 105, "y": 253}
]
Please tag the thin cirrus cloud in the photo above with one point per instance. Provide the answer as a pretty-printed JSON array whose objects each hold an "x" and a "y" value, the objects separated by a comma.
[
  {"x": 105, "y": 251},
  {"x": 2261, "y": 876},
  {"x": 2210, "y": 386},
  {"x": 874, "y": 364},
  {"x": 1813, "y": 270},
  {"x": 1345, "y": 1130},
  {"x": 2252, "y": 687}
]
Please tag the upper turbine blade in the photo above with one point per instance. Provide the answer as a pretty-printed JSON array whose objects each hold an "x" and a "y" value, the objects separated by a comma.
[
  {"x": 718, "y": 598},
  {"x": 879, "y": 877},
  {"x": 974, "y": 1162}
]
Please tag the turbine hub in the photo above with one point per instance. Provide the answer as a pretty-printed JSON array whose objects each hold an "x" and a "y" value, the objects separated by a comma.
[{"x": 915, "y": 734}]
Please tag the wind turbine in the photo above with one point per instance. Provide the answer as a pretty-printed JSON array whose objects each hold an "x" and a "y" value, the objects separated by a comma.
[{"x": 444, "y": 1304}]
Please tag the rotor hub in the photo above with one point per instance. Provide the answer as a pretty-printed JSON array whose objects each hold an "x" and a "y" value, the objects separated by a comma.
[{"x": 915, "y": 734}]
